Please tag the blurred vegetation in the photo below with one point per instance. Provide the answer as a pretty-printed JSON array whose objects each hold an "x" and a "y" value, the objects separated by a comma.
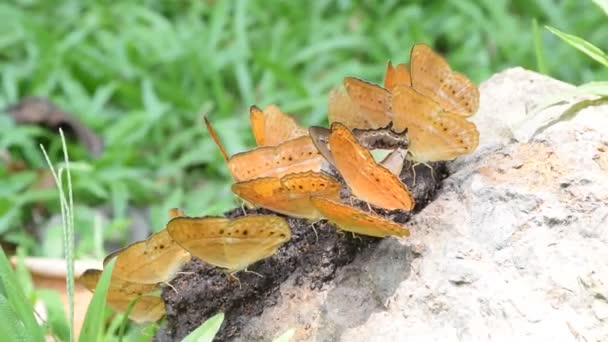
[{"x": 141, "y": 75}]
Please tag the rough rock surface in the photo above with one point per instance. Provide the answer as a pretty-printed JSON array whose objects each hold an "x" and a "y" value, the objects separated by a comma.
[{"x": 514, "y": 247}]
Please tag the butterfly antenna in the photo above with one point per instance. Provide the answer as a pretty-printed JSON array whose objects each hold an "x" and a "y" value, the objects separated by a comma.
[{"x": 216, "y": 139}]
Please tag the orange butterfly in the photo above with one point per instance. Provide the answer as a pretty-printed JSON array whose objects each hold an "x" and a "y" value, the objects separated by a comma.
[
  {"x": 397, "y": 75},
  {"x": 357, "y": 221},
  {"x": 381, "y": 138},
  {"x": 434, "y": 133},
  {"x": 432, "y": 77},
  {"x": 360, "y": 105},
  {"x": 292, "y": 156},
  {"x": 363, "y": 175},
  {"x": 439, "y": 90},
  {"x": 290, "y": 194},
  {"x": 154, "y": 260},
  {"x": 272, "y": 127},
  {"x": 233, "y": 244}
]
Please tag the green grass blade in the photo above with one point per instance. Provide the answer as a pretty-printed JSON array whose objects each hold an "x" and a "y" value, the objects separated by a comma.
[
  {"x": 94, "y": 319},
  {"x": 10, "y": 326},
  {"x": 57, "y": 320},
  {"x": 21, "y": 307},
  {"x": 286, "y": 336},
  {"x": 125, "y": 319},
  {"x": 207, "y": 331},
  {"x": 68, "y": 237},
  {"x": 582, "y": 45},
  {"x": 539, "y": 50},
  {"x": 67, "y": 217}
]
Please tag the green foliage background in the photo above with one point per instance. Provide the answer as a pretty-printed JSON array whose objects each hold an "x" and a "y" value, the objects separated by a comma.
[{"x": 142, "y": 74}]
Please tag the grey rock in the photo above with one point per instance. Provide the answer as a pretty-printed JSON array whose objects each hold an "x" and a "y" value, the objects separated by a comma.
[{"x": 515, "y": 246}]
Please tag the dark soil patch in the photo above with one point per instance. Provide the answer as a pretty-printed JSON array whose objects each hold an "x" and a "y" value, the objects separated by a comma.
[{"x": 315, "y": 257}]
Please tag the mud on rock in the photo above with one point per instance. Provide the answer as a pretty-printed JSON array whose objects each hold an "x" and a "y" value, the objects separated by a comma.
[{"x": 313, "y": 255}]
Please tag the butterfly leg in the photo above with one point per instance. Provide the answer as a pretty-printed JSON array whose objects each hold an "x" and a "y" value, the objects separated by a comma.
[
  {"x": 370, "y": 208},
  {"x": 185, "y": 273},
  {"x": 256, "y": 273},
  {"x": 171, "y": 286},
  {"x": 340, "y": 231},
  {"x": 312, "y": 225},
  {"x": 414, "y": 174},
  {"x": 425, "y": 164},
  {"x": 233, "y": 276},
  {"x": 243, "y": 208},
  {"x": 431, "y": 168}
]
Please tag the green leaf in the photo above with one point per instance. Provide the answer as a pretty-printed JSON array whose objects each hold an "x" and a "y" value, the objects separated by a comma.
[
  {"x": 207, "y": 331},
  {"x": 595, "y": 88},
  {"x": 20, "y": 306},
  {"x": 603, "y": 4},
  {"x": 94, "y": 321},
  {"x": 582, "y": 45}
]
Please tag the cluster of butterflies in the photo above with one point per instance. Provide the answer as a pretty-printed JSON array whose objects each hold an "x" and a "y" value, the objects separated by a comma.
[{"x": 420, "y": 115}]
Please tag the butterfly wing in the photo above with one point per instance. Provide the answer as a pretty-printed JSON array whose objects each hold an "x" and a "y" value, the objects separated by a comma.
[
  {"x": 156, "y": 259},
  {"x": 357, "y": 221},
  {"x": 148, "y": 308},
  {"x": 261, "y": 236},
  {"x": 292, "y": 156},
  {"x": 432, "y": 76},
  {"x": 363, "y": 175},
  {"x": 231, "y": 244},
  {"x": 289, "y": 195},
  {"x": 360, "y": 104},
  {"x": 397, "y": 75},
  {"x": 272, "y": 127},
  {"x": 434, "y": 134}
]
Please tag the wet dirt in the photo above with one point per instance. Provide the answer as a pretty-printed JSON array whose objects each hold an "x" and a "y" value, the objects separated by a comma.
[{"x": 314, "y": 255}]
